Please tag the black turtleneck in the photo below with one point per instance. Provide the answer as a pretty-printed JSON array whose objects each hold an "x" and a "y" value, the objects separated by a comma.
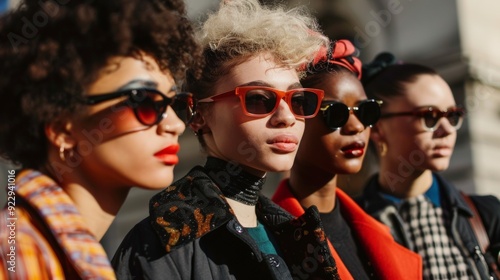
[
  {"x": 344, "y": 242},
  {"x": 233, "y": 181}
]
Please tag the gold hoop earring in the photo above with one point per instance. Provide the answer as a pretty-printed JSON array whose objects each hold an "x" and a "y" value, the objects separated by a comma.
[
  {"x": 382, "y": 148},
  {"x": 61, "y": 153}
]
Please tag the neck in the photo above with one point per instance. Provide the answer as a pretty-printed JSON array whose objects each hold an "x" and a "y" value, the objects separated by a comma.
[
  {"x": 97, "y": 204},
  {"x": 414, "y": 184},
  {"x": 97, "y": 207},
  {"x": 244, "y": 213},
  {"x": 234, "y": 182},
  {"x": 240, "y": 187},
  {"x": 312, "y": 186}
]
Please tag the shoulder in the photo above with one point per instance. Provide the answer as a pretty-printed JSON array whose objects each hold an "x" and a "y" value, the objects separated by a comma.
[
  {"x": 32, "y": 252},
  {"x": 141, "y": 254},
  {"x": 371, "y": 200},
  {"x": 487, "y": 203},
  {"x": 488, "y": 207},
  {"x": 187, "y": 210}
]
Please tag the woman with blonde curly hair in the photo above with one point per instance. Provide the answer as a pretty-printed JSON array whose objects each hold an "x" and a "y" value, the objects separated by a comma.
[
  {"x": 214, "y": 223},
  {"x": 87, "y": 113}
]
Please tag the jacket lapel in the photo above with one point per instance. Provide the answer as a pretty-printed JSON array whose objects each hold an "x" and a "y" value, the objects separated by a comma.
[
  {"x": 379, "y": 245},
  {"x": 284, "y": 198}
]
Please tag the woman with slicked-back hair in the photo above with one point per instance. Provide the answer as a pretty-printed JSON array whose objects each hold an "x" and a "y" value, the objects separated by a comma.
[
  {"x": 86, "y": 113},
  {"x": 251, "y": 108},
  {"x": 414, "y": 140}
]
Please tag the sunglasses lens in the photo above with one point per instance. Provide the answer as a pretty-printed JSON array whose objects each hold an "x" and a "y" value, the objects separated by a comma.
[
  {"x": 336, "y": 115},
  {"x": 304, "y": 103},
  {"x": 455, "y": 117},
  {"x": 148, "y": 106},
  {"x": 260, "y": 101},
  {"x": 431, "y": 118},
  {"x": 183, "y": 106},
  {"x": 368, "y": 112}
]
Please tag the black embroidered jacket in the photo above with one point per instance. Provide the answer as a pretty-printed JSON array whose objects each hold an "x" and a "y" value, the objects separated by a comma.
[{"x": 192, "y": 233}]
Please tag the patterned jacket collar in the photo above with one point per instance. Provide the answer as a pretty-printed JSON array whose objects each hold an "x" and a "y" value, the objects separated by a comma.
[
  {"x": 197, "y": 200},
  {"x": 193, "y": 206},
  {"x": 60, "y": 214}
]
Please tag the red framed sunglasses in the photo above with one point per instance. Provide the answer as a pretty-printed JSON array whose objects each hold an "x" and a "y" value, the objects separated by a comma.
[{"x": 259, "y": 101}]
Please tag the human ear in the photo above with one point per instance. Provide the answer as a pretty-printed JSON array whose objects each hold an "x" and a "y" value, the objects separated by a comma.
[
  {"x": 58, "y": 133},
  {"x": 377, "y": 137},
  {"x": 198, "y": 123},
  {"x": 376, "y": 134}
]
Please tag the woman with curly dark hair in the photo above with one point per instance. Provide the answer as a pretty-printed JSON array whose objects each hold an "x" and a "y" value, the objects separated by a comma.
[{"x": 88, "y": 96}]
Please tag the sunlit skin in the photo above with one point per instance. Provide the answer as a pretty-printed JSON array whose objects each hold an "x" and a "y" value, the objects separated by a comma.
[
  {"x": 412, "y": 152},
  {"x": 262, "y": 144},
  {"x": 250, "y": 141},
  {"x": 111, "y": 150},
  {"x": 324, "y": 152}
]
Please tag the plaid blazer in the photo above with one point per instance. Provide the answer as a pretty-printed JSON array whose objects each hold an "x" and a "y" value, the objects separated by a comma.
[{"x": 46, "y": 237}]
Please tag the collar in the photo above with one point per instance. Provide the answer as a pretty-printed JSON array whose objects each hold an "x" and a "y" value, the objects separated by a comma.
[
  {"x": 373, "y": 202},
  {"x": 233, "y": 181},
  {"x": 60, "y": 214},
  {"x": 432, "y": 194},
  {"x": 194, "y": 205}
]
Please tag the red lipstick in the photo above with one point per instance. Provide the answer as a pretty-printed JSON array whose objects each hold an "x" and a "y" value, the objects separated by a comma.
[
  {"x": 168, "y": 155},
  {"x": 354, "y": 150}
]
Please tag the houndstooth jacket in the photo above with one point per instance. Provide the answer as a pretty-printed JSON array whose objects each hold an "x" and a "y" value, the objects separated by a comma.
[{"x": 456, "y": 208}]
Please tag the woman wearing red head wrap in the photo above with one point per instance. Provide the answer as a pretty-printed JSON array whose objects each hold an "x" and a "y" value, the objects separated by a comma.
[{"x": 334, "y": 142}]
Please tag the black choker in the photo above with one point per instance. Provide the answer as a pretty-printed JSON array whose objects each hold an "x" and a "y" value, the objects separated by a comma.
[{"x": 233, "y": 181}]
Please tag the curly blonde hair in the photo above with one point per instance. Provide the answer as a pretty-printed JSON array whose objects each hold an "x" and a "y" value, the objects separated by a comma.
[{"x": 241, "y": 29}]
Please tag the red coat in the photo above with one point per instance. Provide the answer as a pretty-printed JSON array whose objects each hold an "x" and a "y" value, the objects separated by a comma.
[{"x": 389, "y": 259}]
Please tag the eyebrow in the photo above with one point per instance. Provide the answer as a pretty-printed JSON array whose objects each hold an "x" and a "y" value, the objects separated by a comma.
[
  {"x": 139, "y": 83},
  {"x": 265, "y": 84}
]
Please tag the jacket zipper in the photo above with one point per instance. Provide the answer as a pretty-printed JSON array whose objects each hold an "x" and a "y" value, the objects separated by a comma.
[{"x": 461, "y": 246}]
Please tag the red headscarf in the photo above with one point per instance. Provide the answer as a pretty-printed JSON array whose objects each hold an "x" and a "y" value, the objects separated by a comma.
[{"x": 340, "y": 52}]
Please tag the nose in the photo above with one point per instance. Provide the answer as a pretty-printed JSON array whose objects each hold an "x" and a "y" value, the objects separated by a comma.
[
  {"x": 353, "y": 125},
  {"x": 444, "y": 128},
  {"x": 283, "y": 116},
  {"x": 171, "y": 123}
]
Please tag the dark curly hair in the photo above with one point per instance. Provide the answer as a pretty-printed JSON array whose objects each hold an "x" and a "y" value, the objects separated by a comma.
[{"x": 51, "y": 51}]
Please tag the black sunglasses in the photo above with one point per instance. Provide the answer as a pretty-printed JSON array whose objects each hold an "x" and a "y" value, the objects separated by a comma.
[
  {"x": 336, "y": 114},
  {"x": 430, "y": 116},
  {"x": 149, "y": 105}
]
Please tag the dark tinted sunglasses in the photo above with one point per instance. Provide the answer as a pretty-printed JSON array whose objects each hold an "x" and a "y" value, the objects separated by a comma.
[
  {"x": 336, "y": 114},
  {"x": 149, "y": 105},
  {"x": 260, "y": 101},
  {"x": 430, "y": 116}
]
